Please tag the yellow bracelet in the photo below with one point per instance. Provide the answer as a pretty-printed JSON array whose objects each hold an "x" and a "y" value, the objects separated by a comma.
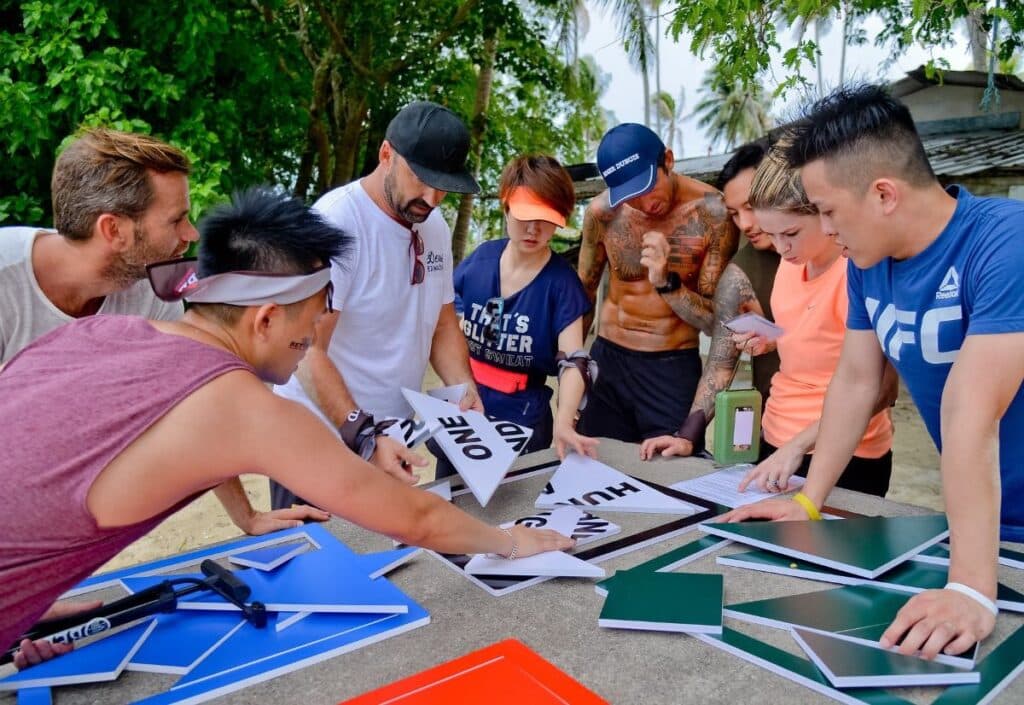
[{"x": 805, "y": 502}]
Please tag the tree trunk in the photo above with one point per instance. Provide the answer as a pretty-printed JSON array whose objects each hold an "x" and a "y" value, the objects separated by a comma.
[
  {"x": 657, "y": 66},
  {"x": 352, "y": 118},
  {"x": 647, "y": 97},
  {"x": 842, "y": 50},
  {"x": 977, "y": 38},
  {"x": 817, "y": 60},
  {"x": 477, "y": 128}
]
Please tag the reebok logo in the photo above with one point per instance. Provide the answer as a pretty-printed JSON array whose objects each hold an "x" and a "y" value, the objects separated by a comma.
[
  {"x": 950, "y": 287},
  {"x": 621, "y": 163}
]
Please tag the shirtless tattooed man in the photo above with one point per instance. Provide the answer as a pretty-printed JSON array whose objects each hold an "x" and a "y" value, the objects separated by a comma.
[{"x": 651, "y": 321}]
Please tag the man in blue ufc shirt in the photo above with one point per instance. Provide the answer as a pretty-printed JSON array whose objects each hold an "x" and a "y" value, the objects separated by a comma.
[{"x": 936, "y": 284}]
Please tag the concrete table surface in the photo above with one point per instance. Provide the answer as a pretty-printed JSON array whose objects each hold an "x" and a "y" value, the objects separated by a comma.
[{"x": 558, "y": 618}]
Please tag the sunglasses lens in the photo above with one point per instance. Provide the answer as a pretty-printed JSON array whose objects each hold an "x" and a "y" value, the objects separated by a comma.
[
  {"x": 418, "y": 271},
  {"x": 172, "y": 280}
]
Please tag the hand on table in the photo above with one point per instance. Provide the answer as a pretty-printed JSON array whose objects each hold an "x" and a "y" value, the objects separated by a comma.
[
  {"x": 937, "y": 621},
  {"x": 770, "y": 509},
  {"x": 666, "y": 446},
  {"x": 532, "y": 541},
  {"x": 568, "y": 439},
  {"x": 260, "y": 523},
  {"x": 396, "y": 460},
  {"x": 32, "y": 652},
  {"x": 772, "y": 474}
]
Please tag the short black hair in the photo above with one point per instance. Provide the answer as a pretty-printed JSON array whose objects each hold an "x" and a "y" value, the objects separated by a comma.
[
  {"x": 868, "y": 130},
  {"x": 261, "y": 230},
  {"x": 746, "y": 156}
]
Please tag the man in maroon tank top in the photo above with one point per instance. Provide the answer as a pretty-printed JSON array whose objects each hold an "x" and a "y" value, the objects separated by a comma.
[{"x": 163, "y": 411}]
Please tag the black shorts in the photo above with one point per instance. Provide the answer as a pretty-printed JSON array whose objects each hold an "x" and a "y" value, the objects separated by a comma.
[
  {"x": 639, "y": 395},
  {"x": 867, "y": 475}
]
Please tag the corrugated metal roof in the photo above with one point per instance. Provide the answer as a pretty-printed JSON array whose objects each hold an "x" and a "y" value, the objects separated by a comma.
[{"x": 973, "y": 153}]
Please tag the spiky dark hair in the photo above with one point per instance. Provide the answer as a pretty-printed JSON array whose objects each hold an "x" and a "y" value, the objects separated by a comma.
[
  {"x": 261, "y": 230},
  {"x": 868, "y": 130}
]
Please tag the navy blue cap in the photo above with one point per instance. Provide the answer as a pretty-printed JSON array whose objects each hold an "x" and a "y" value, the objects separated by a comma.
[{"x": 629, "y": 156}]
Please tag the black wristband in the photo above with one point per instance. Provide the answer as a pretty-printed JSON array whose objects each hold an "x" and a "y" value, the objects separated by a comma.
[
  {"x": 672, "y": 283},
  {"x": 359, "y": 433},
  {"x": 693, "y": 429}
]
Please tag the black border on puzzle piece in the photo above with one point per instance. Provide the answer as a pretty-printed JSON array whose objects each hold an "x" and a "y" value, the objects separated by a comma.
[{"x": 499, "y": 585}]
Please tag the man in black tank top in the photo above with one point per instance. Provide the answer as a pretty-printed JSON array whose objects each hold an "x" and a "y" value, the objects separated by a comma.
[{"x": 745, "y": 285}]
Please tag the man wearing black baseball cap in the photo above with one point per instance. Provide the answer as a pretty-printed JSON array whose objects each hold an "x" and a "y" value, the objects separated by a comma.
[
  {"x": 395, "y": 299},
  {"x": 667, "y": 237}
]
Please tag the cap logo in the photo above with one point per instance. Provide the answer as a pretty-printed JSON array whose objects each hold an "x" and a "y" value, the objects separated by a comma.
[{"x": 621, "y": 163}]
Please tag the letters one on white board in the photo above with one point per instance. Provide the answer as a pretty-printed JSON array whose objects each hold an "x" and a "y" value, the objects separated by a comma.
[{"x": 473, "y": 444}]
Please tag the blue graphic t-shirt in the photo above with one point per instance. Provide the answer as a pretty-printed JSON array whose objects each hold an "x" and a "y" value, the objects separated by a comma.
[
  {"x": 969, "y": 281},
  {"x": 527, "y": 338}
]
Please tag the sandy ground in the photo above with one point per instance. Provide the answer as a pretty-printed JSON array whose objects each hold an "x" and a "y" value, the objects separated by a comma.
[{"x": 915, "y": 480}]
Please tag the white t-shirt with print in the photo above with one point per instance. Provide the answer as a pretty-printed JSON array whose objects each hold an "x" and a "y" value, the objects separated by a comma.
[
  {"x": 26, "y": 313},
  {"x": 384, "y": 333}
]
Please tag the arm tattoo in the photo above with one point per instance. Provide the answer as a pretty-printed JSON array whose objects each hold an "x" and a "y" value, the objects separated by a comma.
[
  {"x": 708, "y": 240},
  {"x": 733, "y": 296},
  {"x": 593, "y": 258}
]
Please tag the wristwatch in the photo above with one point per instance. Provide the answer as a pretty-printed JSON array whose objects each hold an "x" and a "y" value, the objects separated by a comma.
[{"x": 672, "y": 283}]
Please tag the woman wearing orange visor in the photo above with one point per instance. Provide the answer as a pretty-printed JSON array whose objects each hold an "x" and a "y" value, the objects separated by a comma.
[{"x": 522, "y": 309}]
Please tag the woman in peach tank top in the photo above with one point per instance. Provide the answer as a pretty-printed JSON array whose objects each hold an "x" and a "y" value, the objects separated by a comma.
[{"x": 809, "y": 301}]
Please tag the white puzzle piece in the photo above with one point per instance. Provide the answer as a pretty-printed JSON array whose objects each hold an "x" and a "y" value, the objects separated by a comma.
[
  {"x": 411, "y": 432},
  {"x": 555, "y": 564},
  {"x": 592, "y": 485},
  {"x": 471, "y": 442},
  {"x": 452, "y": 394}
]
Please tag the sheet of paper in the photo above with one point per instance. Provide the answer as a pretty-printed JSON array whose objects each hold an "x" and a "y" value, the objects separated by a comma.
[
  {"x": 721, "y": 486},
  {"x": 753, "y": 323},
  {"x": 743, "y": 429}
]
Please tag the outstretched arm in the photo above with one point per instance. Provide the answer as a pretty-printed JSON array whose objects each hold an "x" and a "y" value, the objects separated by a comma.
[
  {"x": 733, "y": 296},
  {"x": 571, "y": 388},
  {"x": 593, "y": 258},
  {"x": 987, "y": 374}
]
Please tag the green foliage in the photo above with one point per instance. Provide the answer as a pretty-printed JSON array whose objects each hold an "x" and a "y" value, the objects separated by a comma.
[
  {"x": 295, "y": 93},
  {"x": 186, "y": 73},
  {"x": 743, "y": 35}
]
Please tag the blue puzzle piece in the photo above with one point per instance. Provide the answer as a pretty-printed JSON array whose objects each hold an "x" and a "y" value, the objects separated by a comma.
[
  {"x": 254, "y": 655},
  {"x": 317, "y": 534},
  {"x": 316, "y": 581},
  {"x": 181, "y": 639},
  {"x": 35, "y": 696},
  {"x": 270, "y": 557},
  {"x": 378, "y": 564},
  {"x": 102, "y": 660}
]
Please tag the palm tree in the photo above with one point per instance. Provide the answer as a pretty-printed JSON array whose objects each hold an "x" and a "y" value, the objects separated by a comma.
[
  {"x": 731, "y": 113},
  {"x": 572, "y": 22},
  {"x": 670, "y": 112},
  {"x": 631, "y": 18}
]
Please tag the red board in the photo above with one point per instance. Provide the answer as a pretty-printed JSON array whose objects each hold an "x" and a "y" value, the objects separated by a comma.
[{"x": 506, "y": 673}]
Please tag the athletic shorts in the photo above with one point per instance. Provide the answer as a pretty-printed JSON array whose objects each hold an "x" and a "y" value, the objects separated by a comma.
[{"x": 639, "y": 395}]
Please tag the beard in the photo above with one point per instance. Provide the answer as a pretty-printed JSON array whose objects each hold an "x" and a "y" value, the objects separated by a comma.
[
  {"x": 129, "y": 266},
  {"x": 404, "y": 210}
]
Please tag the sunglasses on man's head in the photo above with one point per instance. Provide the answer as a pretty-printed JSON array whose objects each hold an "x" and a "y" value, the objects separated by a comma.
[{"x": 416, "y": 249}]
